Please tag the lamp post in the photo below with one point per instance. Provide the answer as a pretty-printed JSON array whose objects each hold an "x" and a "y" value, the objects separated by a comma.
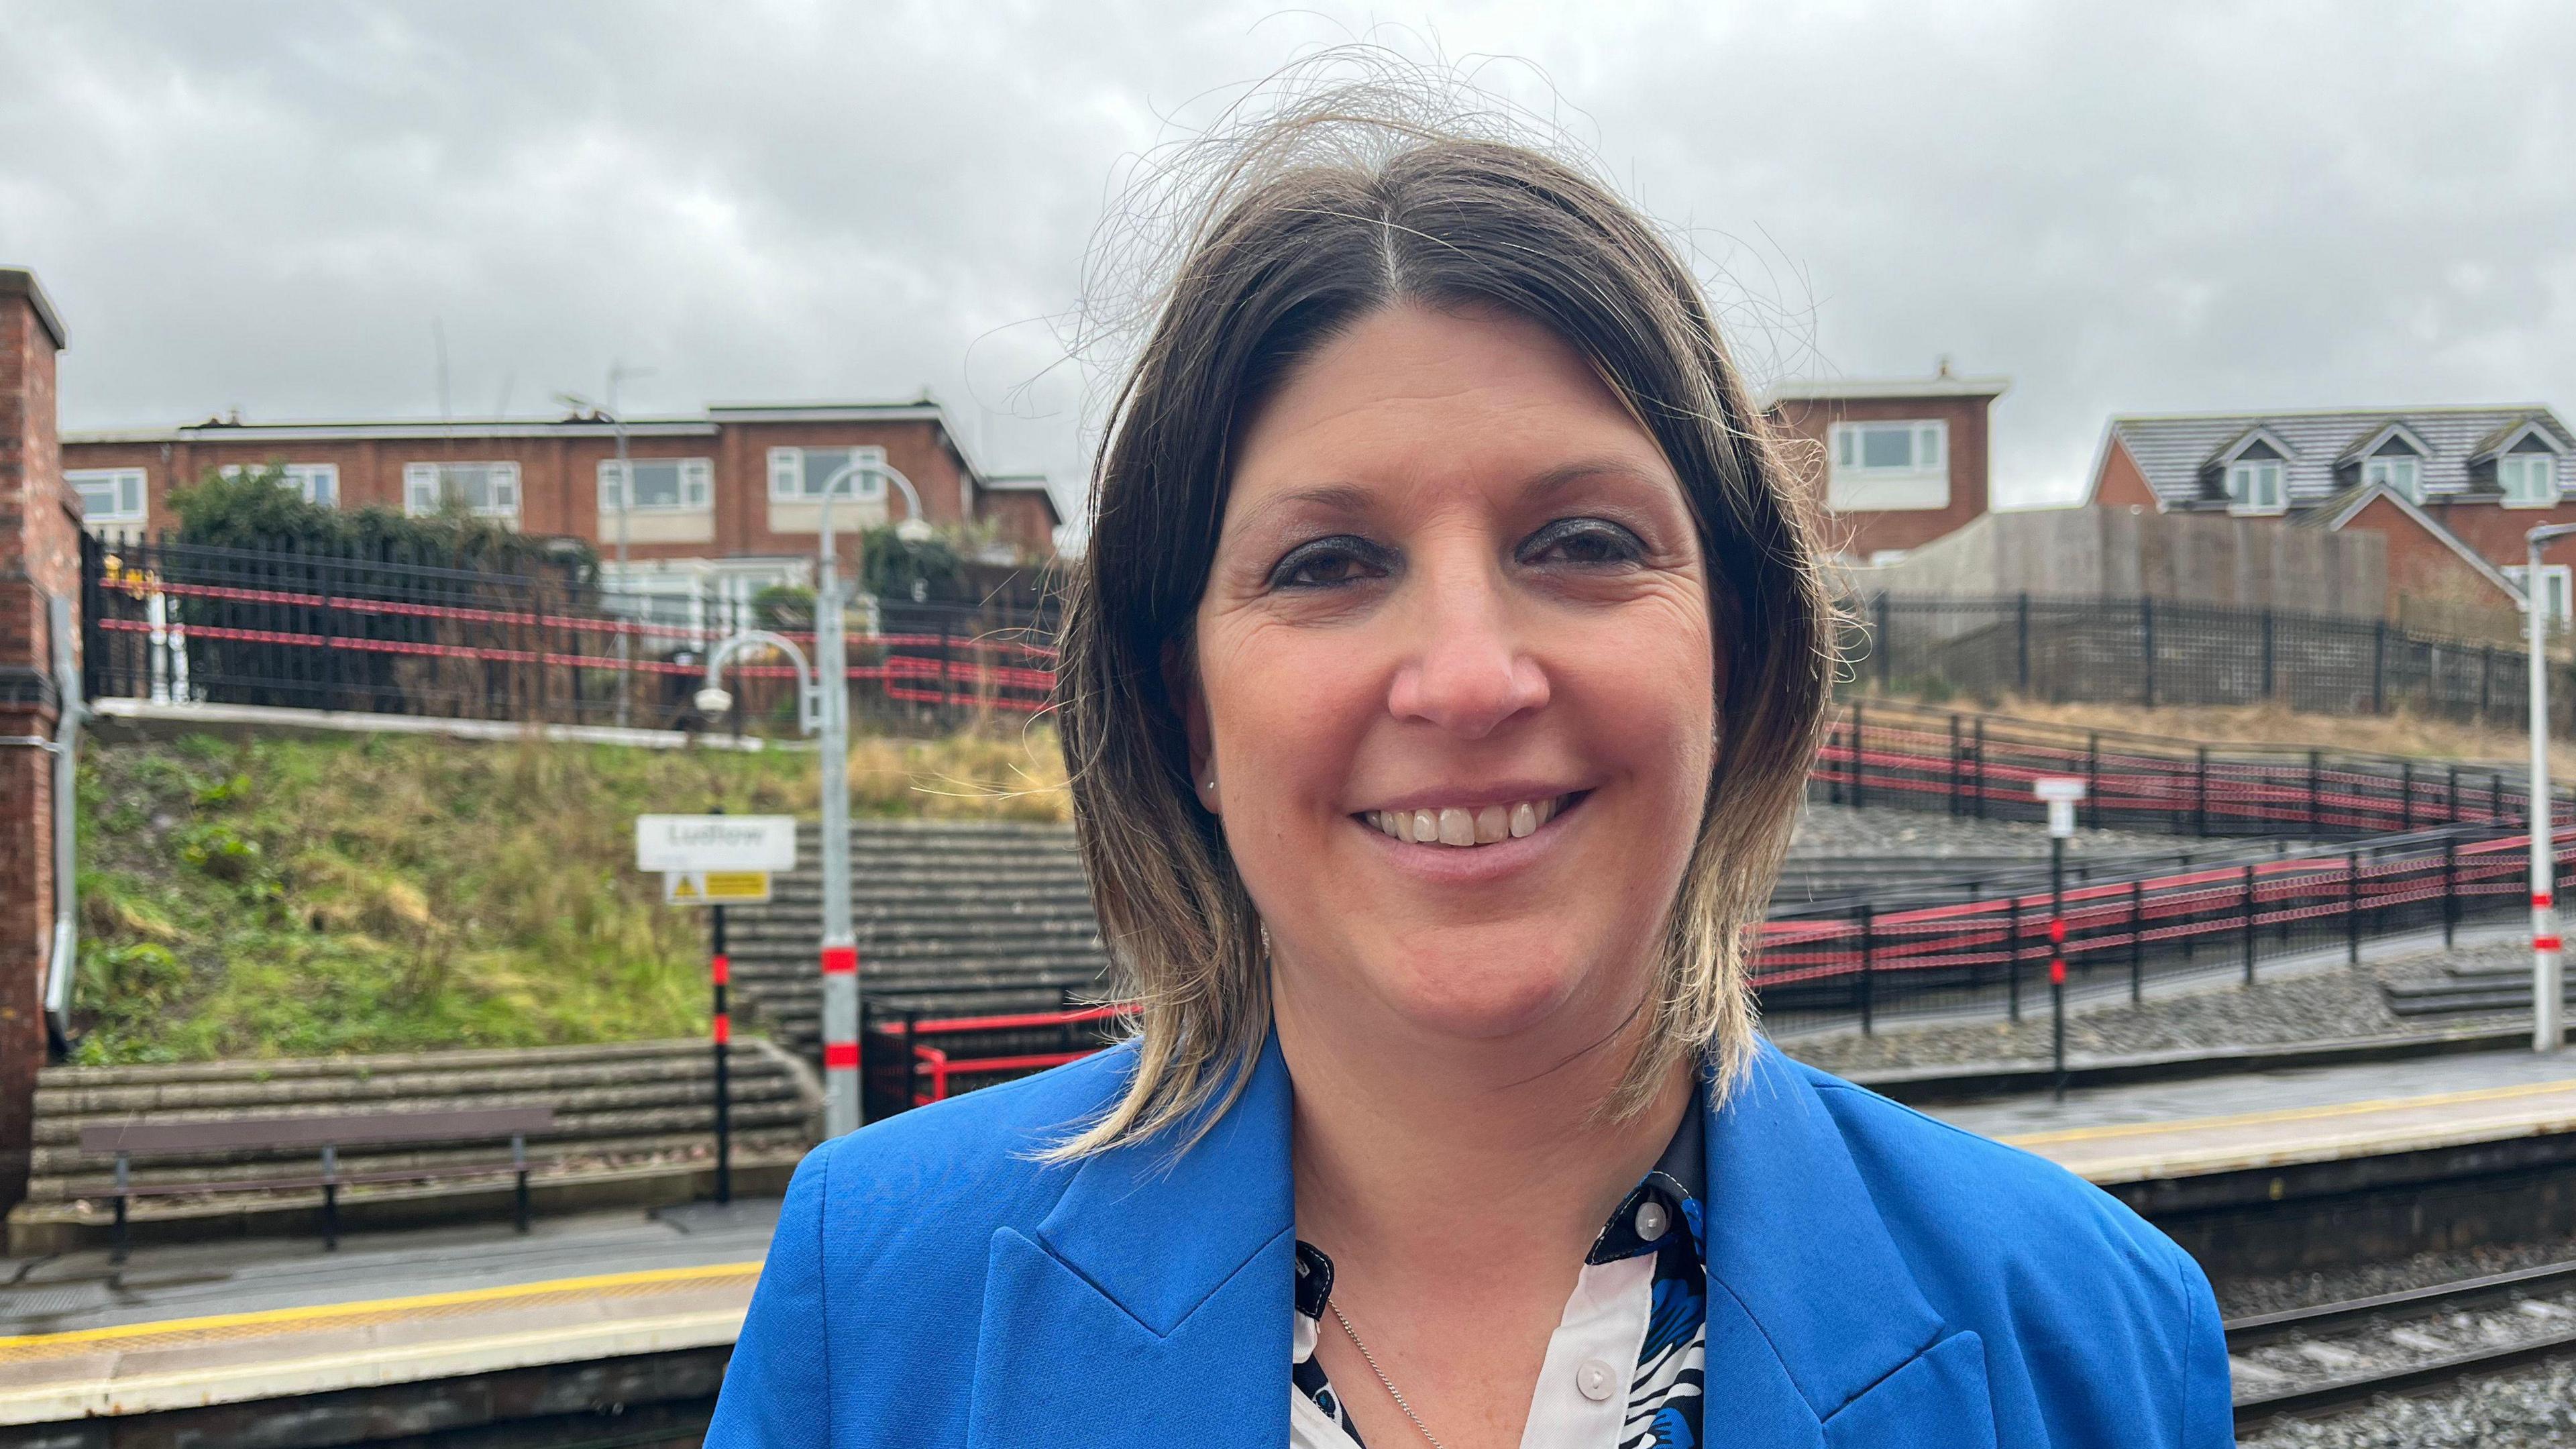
[
  {"x": 2547, "y": 1030},
  {"x": 824, "y": 711},
  {"x": 618, "y": 372}
]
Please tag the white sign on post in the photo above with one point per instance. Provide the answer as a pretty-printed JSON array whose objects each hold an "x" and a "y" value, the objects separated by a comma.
[
  {"x": 2061, "y": 792},
  {"x": 715, "y": 842}
]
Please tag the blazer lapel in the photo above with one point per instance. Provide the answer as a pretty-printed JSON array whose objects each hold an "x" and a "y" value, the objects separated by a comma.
[
  {"x": 1152, "y": 1304},
  {"x": 1812, "y": 1312}
]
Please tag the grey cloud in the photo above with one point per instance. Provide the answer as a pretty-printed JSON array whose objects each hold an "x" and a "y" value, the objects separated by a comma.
[{"x": 2151, "y": 207}]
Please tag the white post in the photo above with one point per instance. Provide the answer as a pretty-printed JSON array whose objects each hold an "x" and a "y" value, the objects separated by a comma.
[
  {"x": 840, "y": 943},
  {"x": 2546, "y": 1032}
]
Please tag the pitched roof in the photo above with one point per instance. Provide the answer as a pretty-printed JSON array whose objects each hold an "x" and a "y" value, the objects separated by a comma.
[{"x": 2176, "y": 450}]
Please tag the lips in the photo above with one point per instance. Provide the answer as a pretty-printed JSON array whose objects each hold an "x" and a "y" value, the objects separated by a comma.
[{"x": 1465, "y": 827}]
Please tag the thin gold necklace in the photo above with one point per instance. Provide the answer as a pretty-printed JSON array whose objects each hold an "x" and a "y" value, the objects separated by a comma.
[{"x": 1392, "y": 1391}]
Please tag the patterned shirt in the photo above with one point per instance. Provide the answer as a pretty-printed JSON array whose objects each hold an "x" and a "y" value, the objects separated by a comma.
[{"x": 1649, "y": 1292}]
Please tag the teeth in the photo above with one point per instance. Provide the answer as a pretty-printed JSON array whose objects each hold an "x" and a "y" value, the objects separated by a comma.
[{"x": 1458, "y": 827}]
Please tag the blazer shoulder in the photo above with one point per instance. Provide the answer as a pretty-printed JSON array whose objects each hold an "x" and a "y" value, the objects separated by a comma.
[
  {"x": 940, "y": 1178},
  {"x": 1997, "y": 1204}
]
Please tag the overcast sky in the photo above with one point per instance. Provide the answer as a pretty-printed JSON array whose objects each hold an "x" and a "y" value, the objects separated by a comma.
[{"x": 283, "y": 207}]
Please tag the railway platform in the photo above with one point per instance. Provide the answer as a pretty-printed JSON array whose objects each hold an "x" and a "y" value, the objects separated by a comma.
[{"x": 616, "y": 1322}]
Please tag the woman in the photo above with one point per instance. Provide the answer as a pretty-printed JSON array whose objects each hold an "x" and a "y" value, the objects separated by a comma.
[{"x": 1439, "y": 690}]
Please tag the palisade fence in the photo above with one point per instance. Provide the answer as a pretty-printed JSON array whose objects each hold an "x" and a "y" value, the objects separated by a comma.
[
  {"x": 180, "y": 623},
  {"x": 1932, "y": 948},
  {"x": 1886, "y": 753},
  {"x": 2159, "y": 651}
]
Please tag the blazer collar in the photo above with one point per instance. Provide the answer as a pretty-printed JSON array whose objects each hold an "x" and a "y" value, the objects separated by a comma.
[
  {"x": 1810, "y": 1304},
  {"x": 1155, "y": 1298},
  {"x": 1152, "y": 1303}
]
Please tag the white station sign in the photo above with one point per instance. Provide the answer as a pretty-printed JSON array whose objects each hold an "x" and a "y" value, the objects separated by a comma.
[
  {"x": 715, "y": 842},
  {"x": 2061, "y": 792}
]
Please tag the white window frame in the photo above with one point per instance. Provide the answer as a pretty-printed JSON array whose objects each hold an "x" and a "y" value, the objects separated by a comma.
[
  {"x": 2555, "y": 583},
  {"x": 787, "y": 473},
  {"x": 124, "y": 480},
  {"x": 1855, "y": 486},
  {"x": 697, "y": 486},
  {"x": 2545, "y": 463},
  {"x": 423, "y": 483},
  {"x": 307, "y": 479},
  {"x": 2244, "y": 480},
  {"x": 2378, "y": 468}
]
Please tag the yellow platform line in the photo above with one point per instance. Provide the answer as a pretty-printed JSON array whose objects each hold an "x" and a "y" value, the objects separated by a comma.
[
  {"x": 2292, "y": 1114},
  {"x": 341, "y": 1314}
]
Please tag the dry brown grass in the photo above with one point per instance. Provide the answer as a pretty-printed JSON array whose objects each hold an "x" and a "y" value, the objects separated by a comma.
[{"x": 2275, "y": 724}]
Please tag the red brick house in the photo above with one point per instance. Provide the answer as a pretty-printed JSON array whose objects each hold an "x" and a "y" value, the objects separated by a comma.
[
  {"x": 2452, "y": 488},
  {"x": 722, "y": 503},
  {"x": 1898, "y": 463}
]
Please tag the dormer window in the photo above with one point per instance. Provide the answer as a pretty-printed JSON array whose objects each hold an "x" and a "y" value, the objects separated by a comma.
[
  {"x": 2254, "y": 486},
  {"x": 2528, "y": 480},
  {"x": 1889, "y": 465},
  {"x": 2396, "y": 468}
]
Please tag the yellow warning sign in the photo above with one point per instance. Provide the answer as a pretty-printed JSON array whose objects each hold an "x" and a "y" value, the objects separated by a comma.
[{"x": 714, "y": 887}]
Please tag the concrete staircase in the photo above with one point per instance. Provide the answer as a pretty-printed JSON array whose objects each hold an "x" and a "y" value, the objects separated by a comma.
[
  {"x": 2474, "y": 992},
  {"x": 633, "y": 1125},
  {"x": 963, "y": 916}
]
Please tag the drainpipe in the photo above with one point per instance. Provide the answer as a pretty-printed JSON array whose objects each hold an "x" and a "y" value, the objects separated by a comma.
[
  {"x": 72, "y": 712},
  {"x": 62, "y": 952}
]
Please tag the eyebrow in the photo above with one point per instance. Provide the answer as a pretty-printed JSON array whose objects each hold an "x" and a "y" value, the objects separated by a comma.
[{"x": 1352, "y": 498}]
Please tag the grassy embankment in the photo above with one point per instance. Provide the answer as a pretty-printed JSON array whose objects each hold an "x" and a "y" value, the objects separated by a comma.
[{"x": 309, "y": 897}]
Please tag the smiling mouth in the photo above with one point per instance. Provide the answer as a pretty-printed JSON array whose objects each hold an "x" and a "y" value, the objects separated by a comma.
[{"x": 1467, "y": 827}]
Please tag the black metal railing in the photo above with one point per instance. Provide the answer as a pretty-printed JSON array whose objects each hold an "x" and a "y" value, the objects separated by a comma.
[
  {"x": 180, "y": 623},
  {"x": 2164, "y": 652}
]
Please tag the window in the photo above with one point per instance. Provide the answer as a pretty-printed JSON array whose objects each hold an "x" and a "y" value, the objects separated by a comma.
[
  {"x": 664, "y": 484},
  {"x": 2254, "y": 486},
  {"x": 798, "y": 475},
  {"x": 316, "y": 482},
  {"x": 488, "y": 490},
  {"x": 2553, "y": 583},
  {"x": 1889, "y": 465},
  {"x": 2528, "y": 480},
  {"x": 108, "y": 495},
  {"x": 2402, "y": 472}
]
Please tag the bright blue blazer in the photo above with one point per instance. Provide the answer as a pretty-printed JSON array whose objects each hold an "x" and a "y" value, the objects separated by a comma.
[{"x": 1875, "y": 1278}]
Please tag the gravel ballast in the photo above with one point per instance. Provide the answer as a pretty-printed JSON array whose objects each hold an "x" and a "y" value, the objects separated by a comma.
[
  {"x": 2333, "y": 1004},
  {"x": 1831, "y": 830},
  {"x": 2525, "y": 1409}
]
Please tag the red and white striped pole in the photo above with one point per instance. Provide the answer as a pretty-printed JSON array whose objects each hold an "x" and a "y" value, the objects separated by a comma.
[
  {"x": 841, "y": 1028},
  {"x": 2547, "y": 1030}
]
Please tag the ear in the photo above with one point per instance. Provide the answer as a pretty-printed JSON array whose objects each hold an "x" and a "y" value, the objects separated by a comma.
[{"x": 1181, "y": 686}]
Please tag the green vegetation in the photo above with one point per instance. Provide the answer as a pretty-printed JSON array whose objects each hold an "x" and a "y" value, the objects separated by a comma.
[
  {"x": 307, "y": 897},
  {"x": 256, "y": 509}
]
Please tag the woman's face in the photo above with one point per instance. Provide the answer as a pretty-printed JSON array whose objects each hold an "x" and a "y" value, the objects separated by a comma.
[{"x": 1455, "y": 680}]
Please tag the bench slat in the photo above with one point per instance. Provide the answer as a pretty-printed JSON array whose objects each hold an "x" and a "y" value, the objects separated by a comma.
[{"x": 350, "y": 1129}]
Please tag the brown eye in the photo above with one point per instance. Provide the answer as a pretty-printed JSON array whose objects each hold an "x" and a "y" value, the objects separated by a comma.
[
  {"x": 1582, "y": 542},
  {"x": 1329, "y": 563}
]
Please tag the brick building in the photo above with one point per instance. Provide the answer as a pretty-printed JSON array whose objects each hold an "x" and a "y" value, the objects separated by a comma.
[
  {"x": 722, "y": 504},
  {"x": 1900, "y": 462},
  {"x": 2451, "y": 488}
]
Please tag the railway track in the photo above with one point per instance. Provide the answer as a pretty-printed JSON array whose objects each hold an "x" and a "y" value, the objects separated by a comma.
[{"x": 2336, "y": 1355}]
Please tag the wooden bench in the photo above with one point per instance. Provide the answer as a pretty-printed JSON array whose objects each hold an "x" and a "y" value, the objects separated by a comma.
[{"x": 132, "y": 1139}]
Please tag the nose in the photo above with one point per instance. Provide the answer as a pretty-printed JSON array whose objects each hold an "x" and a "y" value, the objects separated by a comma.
[{"x": 1468, "y": 670}]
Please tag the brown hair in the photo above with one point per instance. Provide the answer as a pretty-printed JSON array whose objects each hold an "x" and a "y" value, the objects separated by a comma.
[{"x": 1315, "y": 221}]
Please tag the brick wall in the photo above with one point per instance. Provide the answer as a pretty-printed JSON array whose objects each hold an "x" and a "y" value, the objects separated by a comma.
[
  {"x": 39, "y": 561},
  {"x": 1809, "y": 422},
  {"x": 559, "y": 479}
]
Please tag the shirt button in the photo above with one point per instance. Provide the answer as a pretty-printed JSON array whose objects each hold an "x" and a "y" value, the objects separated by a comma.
[
  {"x": 1596, "y": 1379},
  {"x": 1651, "y": 1220}
]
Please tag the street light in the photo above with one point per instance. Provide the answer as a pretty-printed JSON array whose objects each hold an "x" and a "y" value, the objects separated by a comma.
[
  {"x": 824, "y": 711},
  {"x": 617, "y": 372},
  {"x": 2547, "y": 1032}
]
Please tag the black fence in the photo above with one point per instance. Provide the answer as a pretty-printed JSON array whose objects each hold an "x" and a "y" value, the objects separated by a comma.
[
  {"x": 1914, "y": 952},
  {"x": 1889, "y": 753},
  {"x": 182, "y": 623},
  {"x": 2161, "y": 652}
]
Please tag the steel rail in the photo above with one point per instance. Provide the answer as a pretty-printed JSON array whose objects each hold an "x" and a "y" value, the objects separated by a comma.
[{"x": 2258, "y": 1329}]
